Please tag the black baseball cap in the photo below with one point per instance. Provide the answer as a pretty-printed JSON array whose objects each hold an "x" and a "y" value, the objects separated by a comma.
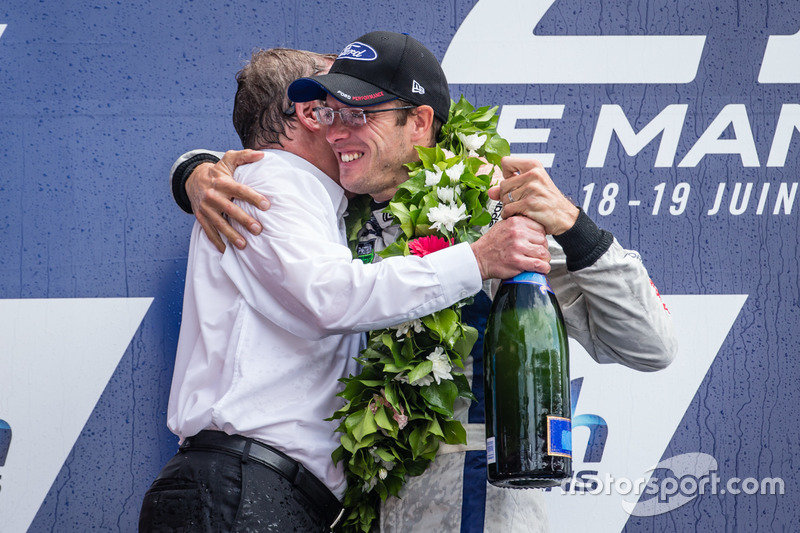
[{"x": 378, "y": 67}]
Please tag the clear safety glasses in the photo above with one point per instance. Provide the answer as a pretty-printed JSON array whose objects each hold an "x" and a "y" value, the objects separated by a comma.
[{"x": 351, "y": 116}]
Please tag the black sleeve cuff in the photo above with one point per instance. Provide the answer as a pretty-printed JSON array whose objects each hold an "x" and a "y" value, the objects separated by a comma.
[
  {"x": 584, "y": 243},
  {"x": 182, "y": 174}
]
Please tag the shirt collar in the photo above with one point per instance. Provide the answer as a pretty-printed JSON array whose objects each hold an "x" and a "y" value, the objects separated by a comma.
[{"x": 334, "y": 190}]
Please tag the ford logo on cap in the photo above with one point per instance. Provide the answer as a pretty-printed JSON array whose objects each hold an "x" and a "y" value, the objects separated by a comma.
[{"x": 359, "y": 52}]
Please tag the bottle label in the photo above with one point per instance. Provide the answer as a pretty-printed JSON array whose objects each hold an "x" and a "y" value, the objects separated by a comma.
[
  {"x": 559, "y": 436},
  {"x": 490, "y": 457},
  {"x": 531, "y": 277}
]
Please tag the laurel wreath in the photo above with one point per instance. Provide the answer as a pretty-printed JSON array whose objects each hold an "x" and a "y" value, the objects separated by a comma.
[{"x": 401, "y": 405}]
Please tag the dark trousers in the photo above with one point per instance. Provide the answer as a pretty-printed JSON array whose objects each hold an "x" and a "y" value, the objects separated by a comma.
[{"x": 209, "y": 491}]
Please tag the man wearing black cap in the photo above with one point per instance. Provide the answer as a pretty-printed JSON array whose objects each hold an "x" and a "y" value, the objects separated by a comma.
[
  {"x": 268, "y": 331},
  {"x": 386, "y": 90},
  {"x": 400, "y": 86}
]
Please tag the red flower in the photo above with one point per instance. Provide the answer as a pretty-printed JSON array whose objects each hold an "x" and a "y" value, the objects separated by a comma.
[{"x": 427, "y": 245}]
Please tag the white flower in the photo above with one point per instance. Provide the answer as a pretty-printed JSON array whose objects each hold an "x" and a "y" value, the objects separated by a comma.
[
  {"x": 447, "y": 215},
  {"x": 433, "y": 177},
  {"x": 454, "y": 172},
  {"x": 373, "y": 452},
  {"x": 402, "y": 329},
  {"x": 424, "y": 381},
  {"x": 386, "y": 465},
  {"x": 446, "y": 195},
  {"x": 441, "y": 364},
  {"x": 472, "y": 142},
  {"x": 369, "y": 485},
  {"x": 382, "y": 473}
]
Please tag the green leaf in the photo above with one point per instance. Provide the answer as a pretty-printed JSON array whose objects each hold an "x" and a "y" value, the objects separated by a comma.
[
  {"x": 382, "y": 419},
  {"x": 418, "y": 440},
  {"x": 383, "y": 454},
  {"x": 347, "y": 443},
  {"x": 394, "y": 484},
  {"x": 371, "y": 353},
  {"x": 473, "y": 181},
  {"x": 444, "y": 323},
  {"x": 463, "y": 346},
  {"x": 364, "y": 443},
  {"x": 402, "y": 214},
  {"x": 370, "y": 382},
  {"x": 421, "y": 370},
  {"x": 496, "y": 148},
  {"x": 407, "y": 352},
  {"x": 416, "y": 468},
  {"x": 391, "y": 396},
  {"x": 454, "y": 432},
  {"x": 391, "y": 342},
  {"x": 481, "y": 220},
  {"x": 391, "y": 368},
  {"x": 441, "y": 396},
  {"x": 366, "y": 425},
  {"x": 484, "y": 114},
  {"x": 462, "y": 385},
  {"x": 472, "y": 199},
  {"x": 434, "y": 428},
  {"x": 397, "y": 248},
  {"x": 381, "y": 489},
  {"x": 427, "y": 155},
  {"x": 353, "y": 420}
]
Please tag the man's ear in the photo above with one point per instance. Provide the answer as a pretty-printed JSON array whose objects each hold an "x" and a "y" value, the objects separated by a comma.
[
  {"x": 305, "y": 115},
  {"x": 422, "y": 121}
]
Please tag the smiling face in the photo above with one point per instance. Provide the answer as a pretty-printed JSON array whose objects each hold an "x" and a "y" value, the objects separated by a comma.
[{"x": 371, "y": 157}]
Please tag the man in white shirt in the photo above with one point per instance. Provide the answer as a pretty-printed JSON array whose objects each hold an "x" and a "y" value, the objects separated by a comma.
[
  {"x": 609, "y": 303},
  {"x": 268, "y": 331}
]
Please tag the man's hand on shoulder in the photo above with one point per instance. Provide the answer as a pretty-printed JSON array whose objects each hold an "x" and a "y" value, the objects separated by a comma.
[{"x": 211, "y": 190}]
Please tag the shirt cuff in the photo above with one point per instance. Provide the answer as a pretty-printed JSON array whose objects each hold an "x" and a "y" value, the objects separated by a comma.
[
  {"x": 584, "y": 243},
  {"x": 458, "y": 271}
]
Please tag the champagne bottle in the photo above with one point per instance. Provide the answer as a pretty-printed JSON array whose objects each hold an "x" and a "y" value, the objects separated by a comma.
[{"x": 526, "y": 373}]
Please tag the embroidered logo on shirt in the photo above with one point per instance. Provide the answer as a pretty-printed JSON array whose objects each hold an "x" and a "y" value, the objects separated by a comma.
[{"x": 366, "y": 251}]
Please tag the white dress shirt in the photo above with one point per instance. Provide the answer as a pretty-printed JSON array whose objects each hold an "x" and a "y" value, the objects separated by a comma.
[{"x": 267, "y": 331}]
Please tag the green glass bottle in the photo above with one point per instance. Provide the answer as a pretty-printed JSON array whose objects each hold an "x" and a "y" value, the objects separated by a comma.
[{"x": 526, "y": 373}]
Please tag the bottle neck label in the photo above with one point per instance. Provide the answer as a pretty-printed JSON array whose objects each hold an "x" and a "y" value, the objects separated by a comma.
[
  {"x": 559, "y": 436},
  {"x": 533, "y": 278}
]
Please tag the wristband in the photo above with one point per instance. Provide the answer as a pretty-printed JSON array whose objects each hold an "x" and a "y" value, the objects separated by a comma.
[
  {"x": 182, "y": 173},
  {"x": 584, "y": 242}
]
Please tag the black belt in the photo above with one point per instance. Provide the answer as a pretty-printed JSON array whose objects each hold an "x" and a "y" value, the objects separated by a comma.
[{"x": 317, "y": 493}]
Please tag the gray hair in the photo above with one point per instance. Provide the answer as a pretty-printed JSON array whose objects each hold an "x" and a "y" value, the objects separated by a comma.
[{"x": 261, "y": 110}]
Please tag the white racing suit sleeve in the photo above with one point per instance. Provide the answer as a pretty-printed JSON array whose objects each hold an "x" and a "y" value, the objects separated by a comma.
[{"x": 611, "y": 307}]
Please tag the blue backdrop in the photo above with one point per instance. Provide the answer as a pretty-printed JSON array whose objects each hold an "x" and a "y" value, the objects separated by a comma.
[{"x": 98, "y": 99}]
